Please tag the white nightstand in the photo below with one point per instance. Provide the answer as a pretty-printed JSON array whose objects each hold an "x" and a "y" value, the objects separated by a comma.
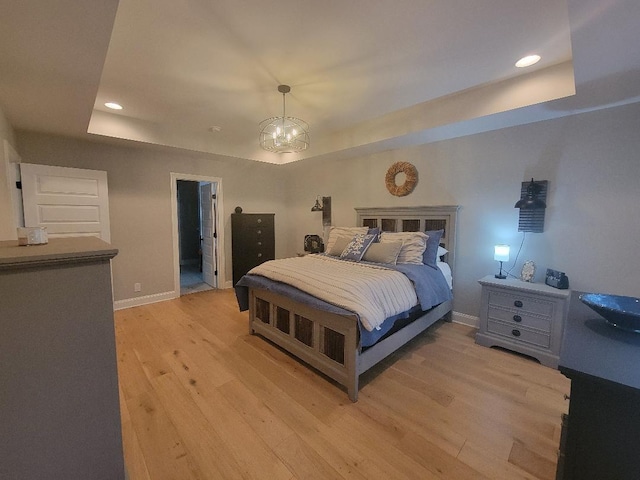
[{"x": 523, "y": 317}]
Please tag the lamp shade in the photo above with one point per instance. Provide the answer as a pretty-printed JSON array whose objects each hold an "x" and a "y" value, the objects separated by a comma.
[{"x": 501, "y": 253}]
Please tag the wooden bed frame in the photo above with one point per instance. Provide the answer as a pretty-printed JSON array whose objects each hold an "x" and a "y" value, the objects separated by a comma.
[{"x": 330, "y": 342}]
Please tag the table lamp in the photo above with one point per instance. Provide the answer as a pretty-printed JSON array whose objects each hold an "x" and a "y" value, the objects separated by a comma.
[{"x": 501, "y": 254}]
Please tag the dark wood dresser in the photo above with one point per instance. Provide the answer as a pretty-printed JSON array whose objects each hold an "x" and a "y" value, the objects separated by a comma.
[
  {"x": 601, "y": 435},
  {"x": 252, "y": 241}
]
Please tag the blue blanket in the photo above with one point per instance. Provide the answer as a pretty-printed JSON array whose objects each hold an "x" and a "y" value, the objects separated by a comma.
[{"x": 430, "y": 284}]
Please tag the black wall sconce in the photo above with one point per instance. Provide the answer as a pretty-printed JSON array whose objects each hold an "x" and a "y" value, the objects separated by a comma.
[
  {"x": 532, "y": 205},
  {"x": 323, "y": 204}
]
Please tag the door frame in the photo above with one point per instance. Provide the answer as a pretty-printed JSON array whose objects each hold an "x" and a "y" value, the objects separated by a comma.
[{"x": 219, "y": 227}]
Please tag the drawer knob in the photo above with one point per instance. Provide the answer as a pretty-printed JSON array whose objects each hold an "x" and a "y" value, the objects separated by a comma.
[
  {"x": 515, "y": 333},
  {"x": 259, "y": 220},
  {"x": 518, "y": 303},
  {"x": 259, "y": 255},
  {"x": 259, "y": 232},
  {"x": 517, "y": 318},
  {"x": 259, "y": 244}
]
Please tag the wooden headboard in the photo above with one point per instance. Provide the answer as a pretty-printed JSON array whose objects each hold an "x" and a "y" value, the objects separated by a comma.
[{"x": 415, "y": 219}]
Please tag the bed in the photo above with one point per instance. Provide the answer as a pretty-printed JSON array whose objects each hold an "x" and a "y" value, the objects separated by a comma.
[{"x": 330, "y": 337}]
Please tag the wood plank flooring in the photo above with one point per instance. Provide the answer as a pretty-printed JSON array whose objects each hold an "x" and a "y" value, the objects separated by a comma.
[{"x": 202, "y": 399}]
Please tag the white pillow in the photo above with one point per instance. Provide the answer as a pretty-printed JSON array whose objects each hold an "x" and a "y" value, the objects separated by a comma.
[
  {"x": 413, "y": 245},
  {"x": 441, "y": 251},
  {"x": 349, "y": 232}
]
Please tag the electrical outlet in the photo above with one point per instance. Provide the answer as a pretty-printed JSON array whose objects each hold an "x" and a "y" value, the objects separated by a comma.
[{"x": 137, "y": 287}]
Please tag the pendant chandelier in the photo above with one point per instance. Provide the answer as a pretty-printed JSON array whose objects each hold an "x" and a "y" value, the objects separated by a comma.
[{"x": 284, "y": 134}]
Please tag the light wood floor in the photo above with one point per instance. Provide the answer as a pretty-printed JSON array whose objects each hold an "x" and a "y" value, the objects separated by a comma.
[{"x": 202, "y": 399}]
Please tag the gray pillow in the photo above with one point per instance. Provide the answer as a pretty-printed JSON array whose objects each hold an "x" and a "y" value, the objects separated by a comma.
[
  {"x": 339, "y": 244},
  {"x": 383, "y": 252}
]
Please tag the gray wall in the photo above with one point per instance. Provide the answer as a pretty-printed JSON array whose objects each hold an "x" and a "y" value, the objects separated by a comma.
[
  {"x": 591, "y": 227},
  {"x": 140, "y": 200}
]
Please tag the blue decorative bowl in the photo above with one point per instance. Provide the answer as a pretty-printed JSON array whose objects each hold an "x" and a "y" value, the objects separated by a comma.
[{"x": 617, "y": 310}]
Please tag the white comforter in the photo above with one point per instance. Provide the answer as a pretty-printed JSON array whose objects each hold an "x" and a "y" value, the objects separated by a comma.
[{"x": 373, "y": 292}]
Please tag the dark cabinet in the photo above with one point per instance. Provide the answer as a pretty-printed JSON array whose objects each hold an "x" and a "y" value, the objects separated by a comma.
[
  {"x": 601, "y": 434},
  {"x": 59, "y": 407},
  {"x": 252, "y": 241}
]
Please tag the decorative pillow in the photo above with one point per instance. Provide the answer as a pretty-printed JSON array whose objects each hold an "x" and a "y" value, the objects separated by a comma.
[
  {"x": 383, "y": 252},
  {"x": 339, "y": 245},
  {"x": 413, "y": 245},
  {"x": 349, "y": 232},
  {"x": 356, "y": 248},
  {"x": 375, "y": 231},
  {"x": 433, "y": 242}
]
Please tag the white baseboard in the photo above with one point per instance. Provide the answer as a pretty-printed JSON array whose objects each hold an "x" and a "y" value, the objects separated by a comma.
[
  {"x": 464, "y": 319},
  {"x": 456, "y": 317},
  {"x": 144, "y": 300}
]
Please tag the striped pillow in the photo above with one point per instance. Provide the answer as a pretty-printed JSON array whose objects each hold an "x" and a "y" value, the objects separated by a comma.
[{"x": 413, "y": 245}]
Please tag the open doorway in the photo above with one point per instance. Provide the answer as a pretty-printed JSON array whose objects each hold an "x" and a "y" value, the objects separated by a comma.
[
  {"x": 191, "y": 219},
  {"x": 197, "y": 233}
]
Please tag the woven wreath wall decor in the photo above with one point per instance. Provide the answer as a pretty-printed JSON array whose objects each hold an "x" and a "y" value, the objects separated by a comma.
[{"x": 409, "y": 184}]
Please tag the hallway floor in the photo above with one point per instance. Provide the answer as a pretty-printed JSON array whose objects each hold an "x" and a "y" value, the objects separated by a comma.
[{"x": 191, "y": 280}]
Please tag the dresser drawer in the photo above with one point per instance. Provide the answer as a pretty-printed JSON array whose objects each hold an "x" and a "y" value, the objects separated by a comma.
[
  {"x": 257, "y": 221},
  {"x": 520, "y": 318},
  {"x": 258, "y": 243},
  {"x": 515, "y": 301},
  {"x": 520, "y": 334}
]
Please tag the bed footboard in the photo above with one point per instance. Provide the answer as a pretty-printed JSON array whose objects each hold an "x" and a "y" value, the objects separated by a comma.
[{"x": 326, "y": 341}]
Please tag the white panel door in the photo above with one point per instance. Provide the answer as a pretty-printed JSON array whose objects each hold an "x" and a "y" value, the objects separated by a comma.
[
  {"x": 208, "y": 232},
  {"x": 70, "y": 202}
]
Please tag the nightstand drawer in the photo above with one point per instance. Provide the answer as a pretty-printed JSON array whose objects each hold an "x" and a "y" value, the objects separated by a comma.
[
  {"x": 520, "y": 319},
  {"x": 515, "y": 301},
  {"x": 519, "y": 334}
]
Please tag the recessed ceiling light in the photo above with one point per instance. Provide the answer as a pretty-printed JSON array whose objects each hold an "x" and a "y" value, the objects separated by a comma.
[
  {"x": 113, "y": 105},
  {"x": 528, "y": 61}
]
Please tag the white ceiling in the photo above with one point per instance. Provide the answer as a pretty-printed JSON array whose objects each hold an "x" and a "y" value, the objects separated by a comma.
[{"x": 366, "y": 75}]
